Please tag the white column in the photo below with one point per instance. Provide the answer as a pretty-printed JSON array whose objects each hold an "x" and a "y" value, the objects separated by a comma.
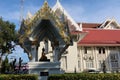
[
  {"x": 109, "y": 60},
  {"x": 34, "y": 53},
  {"x": 81, "y": 59},
  {"x": 41, "y": 45},
  {"x": 95, "y": 57},
  {"x": 55, "y": 54},
  {"x": 118, "y": 50},
  {"x": 46, "y": 46}
]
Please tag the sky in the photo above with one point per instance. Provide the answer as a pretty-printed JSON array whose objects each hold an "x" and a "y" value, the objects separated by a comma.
[{"x": 91, "y": 11}]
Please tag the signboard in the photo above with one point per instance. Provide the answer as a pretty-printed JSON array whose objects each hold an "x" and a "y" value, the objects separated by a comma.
[{"x": 44, "y": 73}]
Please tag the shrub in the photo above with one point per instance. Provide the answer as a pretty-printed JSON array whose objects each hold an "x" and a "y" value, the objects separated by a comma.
[
  {"x": 18, "y": 77},
  {"x": 85, "y": 76}
]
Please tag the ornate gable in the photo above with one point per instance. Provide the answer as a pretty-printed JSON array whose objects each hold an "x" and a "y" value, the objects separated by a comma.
[
  {"x": 110, "y": 24},
  {"x": 59, "y": 10},
  {"x": 45, "y": 13},
  {"x": 44, "y": 24}
]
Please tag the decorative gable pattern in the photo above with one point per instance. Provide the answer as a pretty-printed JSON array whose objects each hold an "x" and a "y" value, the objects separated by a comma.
[
  {"x": 110, "y": 24},
  {"x": 73, "y": 26}
]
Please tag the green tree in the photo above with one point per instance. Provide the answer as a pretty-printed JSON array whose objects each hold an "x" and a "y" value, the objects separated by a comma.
[
  {"x": 5, "y": 65},
  {"x": 7, "y": 36}
]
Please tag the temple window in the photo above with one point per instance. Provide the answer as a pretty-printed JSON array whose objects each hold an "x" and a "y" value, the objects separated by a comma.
[
  {"x": 101, "y": 50},
  {"x": 89, "y": 64},
  {"x": 87, "y": 50},
  {"x": 114, "y": 60},
  {"x": 114, "y": 56}
]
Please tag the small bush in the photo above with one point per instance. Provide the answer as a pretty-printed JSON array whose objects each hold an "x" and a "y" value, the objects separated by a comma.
[
  {"x": 85, "y": 76},
  {"x": 18, "y": 77}
]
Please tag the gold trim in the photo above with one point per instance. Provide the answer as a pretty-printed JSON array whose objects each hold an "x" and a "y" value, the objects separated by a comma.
[{"x": 45, "y": 13}]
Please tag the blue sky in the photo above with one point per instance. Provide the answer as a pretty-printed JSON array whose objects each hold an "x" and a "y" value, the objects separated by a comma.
[{"x": 95, "y": 11}]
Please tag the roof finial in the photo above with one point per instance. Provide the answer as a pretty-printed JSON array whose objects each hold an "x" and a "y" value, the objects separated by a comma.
[
  {"x": 58, "y": 0},
  {"x": 45, "y": 0},
  {"x": 45, "y": 3}
]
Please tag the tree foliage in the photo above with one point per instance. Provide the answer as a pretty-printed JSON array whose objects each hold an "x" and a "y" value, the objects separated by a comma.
[
  {"x": 5, "y": 65},
  {"x": 7, "y": 36}
]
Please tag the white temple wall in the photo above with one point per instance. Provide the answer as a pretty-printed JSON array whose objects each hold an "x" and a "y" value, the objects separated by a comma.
[
  {"x": 72, "y": 59},
  {"x": 98, "y": 58},
  {"x": 41, "y": 45}
]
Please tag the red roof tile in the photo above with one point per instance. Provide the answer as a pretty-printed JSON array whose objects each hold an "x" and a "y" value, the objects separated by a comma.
[
  {"x": 98, "y": 37},
  {"x": 77, "y": 32}
]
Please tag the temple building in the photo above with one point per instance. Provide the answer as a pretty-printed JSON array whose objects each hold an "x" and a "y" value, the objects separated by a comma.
[
  {"x": 52, "y": 33},
  {"x": 101, "y": 43}
]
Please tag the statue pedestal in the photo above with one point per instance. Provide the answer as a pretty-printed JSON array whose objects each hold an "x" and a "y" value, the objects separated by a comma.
[{"x": 44, "y": 69}]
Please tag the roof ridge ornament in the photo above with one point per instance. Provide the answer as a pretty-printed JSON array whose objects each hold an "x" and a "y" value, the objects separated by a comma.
[
  {"x": 45, "y": 24},
  {"x": 29, "y": 15},
  {"x": 59, "y": 7},
  {"x": 109, "y": 21},
  {"x": 58, "y": 1},
  {"x": 45, "y": 3}
]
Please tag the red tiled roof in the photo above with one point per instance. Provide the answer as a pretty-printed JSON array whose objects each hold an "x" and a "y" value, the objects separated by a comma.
[
  {"x": 90, "y": 25},
  {"x": 77, "y": 32},
  {"x": 97, "y": 37}
]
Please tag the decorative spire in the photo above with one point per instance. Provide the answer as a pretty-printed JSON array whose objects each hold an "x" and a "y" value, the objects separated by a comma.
[
  {"x": 46, "y": 2},
  {"x": 59, "y": 7},
  {"x": 58, "y": 4},
  {"x": 58, "y": 1},
  {"x": 29, "y": 15}
]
